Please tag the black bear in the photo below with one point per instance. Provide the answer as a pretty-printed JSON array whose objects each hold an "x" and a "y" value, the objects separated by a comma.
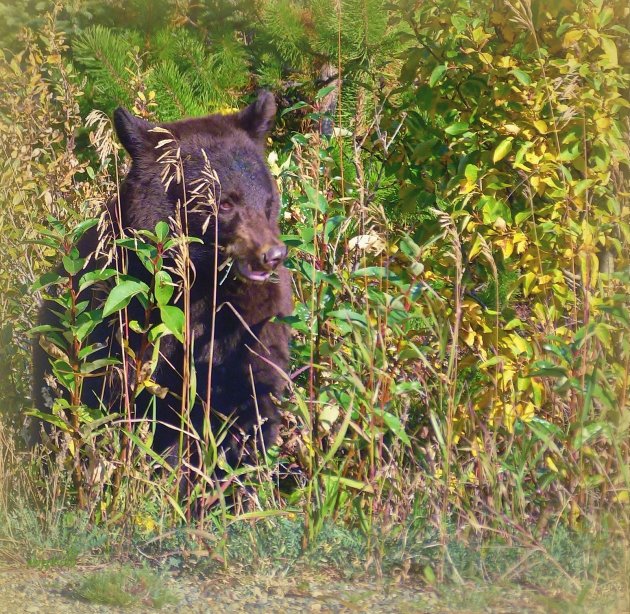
[{"x": 249, "y": 349}]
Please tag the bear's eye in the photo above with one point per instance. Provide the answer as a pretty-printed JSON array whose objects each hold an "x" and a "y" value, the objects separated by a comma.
[{"x": 225, "y": 206}]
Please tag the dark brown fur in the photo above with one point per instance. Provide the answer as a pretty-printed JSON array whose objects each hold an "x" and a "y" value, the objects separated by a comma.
[{"x": 245, "y": 335}]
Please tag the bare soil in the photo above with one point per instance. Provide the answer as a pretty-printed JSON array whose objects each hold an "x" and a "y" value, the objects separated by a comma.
[{"x": 30, "y": 591}]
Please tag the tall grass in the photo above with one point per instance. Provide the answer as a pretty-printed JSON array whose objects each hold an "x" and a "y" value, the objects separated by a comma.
[{"x": 402, "y": 411}]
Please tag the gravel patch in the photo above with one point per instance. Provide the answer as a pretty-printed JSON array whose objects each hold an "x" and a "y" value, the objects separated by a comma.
[{"x": 30, "y": 591}]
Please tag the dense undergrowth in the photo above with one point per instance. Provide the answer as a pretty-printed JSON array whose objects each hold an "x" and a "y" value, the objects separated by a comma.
[{"x": 457, "y": 215}]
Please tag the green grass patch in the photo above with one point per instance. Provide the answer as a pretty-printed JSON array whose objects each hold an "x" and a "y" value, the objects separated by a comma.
[{"x": 126, "y": 587}]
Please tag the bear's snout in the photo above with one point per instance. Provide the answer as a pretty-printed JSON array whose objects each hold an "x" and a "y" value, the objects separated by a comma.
[
  {"x": 256, "y": 247},
  {"x": 275, "y": 256},
  {"x": 260, "y": 265}
]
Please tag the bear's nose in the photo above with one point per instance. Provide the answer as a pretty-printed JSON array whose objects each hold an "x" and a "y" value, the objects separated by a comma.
[{"x": 275, "y": 256}]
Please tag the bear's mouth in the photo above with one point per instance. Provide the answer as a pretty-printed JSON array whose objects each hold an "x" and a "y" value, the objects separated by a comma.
[{"x": 245, "y": 270}]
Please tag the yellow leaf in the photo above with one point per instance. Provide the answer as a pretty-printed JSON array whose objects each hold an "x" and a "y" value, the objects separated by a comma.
[
  {"x": 507, "y": 246},
  {"x": 479, "y": 35},
  {"x": 145, "y": 523},
  {"x": 520, "y": 344},
  {"x": 594, "y": 270},
  {"x": 549, "y": 462},
  {"x": 610, "y": 50},
  {"x": 528, "y": 280},
  {"x": 520, "y": 240},
  {"x": 587, "y": 234},
  {"x": 469, "y": 337},
  {"x": 476, "y": 247},
  {"x": 525, "y": 411},
  {"x": 538, "y": 391},
  {"x": 532, "y": 158},
  {"x": 603, "y": 123},
  {"x": 551, "y": 183},
  {"x": 541, "y": 126},
  {"x": 509, "y": 373},
  {"x": 502, "y": 150},
  {"x": 467, "y": 187},
  {"x": 572, "y": 36},
  {"x": 509, "y": 417}
]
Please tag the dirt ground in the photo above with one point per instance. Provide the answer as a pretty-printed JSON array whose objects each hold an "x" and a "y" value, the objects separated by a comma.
[{"x": 29, "y": 591}]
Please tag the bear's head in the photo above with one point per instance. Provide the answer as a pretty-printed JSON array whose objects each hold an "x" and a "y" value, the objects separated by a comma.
[{"x": 212, "y": 171}]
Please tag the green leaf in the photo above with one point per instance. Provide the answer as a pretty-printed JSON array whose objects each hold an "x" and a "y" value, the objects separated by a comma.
[
  {"x": 89, "y": 367},
  {"x": 46, "y": 280},
  {"x": 492, "y": 209},
  {"x": 471, "y": 172},
  {"x": 316, "y": 199},
  {"x": 53, "y": 419},
  {"x": 294, "y": 107},
  {"x": 92, "y": 277},
  {"x": 588, "y": 432},
  {"x": 86, "y": 323},
  {"x": 495, "y": 360},
  {"x": 437, "y": 74},
  {"x": 377, "y": 272},
  {"x": 164, "y": 287},
  {"x": 120, "y": 296},
  {"x": 349, "y": 315},
  {"x": 324, "y": 91},
  {"x": 544, "y": 429},
  {"x": 44, "y": 328},
  {"x": 72, "y": 265},
  {"x": 502, "y": 150},
  {"x": 456, "y": 128},
  {"x": 522, "y": 76},
  {"x": 349, "y": 482},
  {"x": 173, "y": 319},
  {"x": 88, "y": 350},
  {"x": 161, "y": 231},
  {"x": 80, "y": 229},
  {"x": 580, "y": 186},
  {"x": 394, "y": 424},
  {"x": 551, "y": 371},
  {"x": 521, "y": 217},
  {"x": 528, "y": 280}
]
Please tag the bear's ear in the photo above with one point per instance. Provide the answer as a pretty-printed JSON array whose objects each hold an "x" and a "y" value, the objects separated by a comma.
[
  {"x": 257, "y": 119},
  {"x": 133, "y": 132}
]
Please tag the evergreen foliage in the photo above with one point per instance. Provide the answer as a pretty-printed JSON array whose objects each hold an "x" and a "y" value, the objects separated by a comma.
[
  {"x": 110, "y": 59},
  {"x": 205, "y": 60}
]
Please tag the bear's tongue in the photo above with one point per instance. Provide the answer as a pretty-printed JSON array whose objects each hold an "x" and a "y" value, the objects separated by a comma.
[{"x": 246, "y": 271}]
